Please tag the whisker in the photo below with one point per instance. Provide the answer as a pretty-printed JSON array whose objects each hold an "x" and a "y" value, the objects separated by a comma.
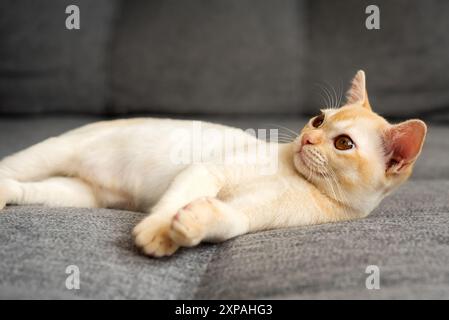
[
  {"x": 344, "y": 206},
  {"x": 334, "y": 96},
  {"x": 340, "y": 100},
  {"x": 284, "y": 141},
  {"x": 330, "y": 184},
  {"x": 344, "y": 199},
  {"x": 285, "y": 135},
  {"x": 335, "y": 181},
  {"x": 326, "y": 96},
  {"x": 311, "y": 171},
  {"x": 285, "y": 138},
  {"x": 328, "y": 92},
  {"x": 289, "y": 131}
]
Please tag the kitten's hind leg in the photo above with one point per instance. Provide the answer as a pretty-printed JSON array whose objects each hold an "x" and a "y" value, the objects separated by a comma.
[
  {"x": 207, "y": 219},
  {"x": 52, "y": 192},
  {"x": 50, "y": 157}
]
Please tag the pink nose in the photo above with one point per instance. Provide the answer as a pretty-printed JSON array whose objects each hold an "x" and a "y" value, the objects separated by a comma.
[{"x": 311, "y": 138}]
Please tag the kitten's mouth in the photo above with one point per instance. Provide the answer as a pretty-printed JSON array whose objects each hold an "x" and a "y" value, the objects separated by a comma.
[
  {"x": 304, "y": 162},
  {"x": 307, "y": 159}
]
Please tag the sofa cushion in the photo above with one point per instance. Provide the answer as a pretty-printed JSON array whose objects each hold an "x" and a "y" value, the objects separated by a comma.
[
  {"x": 212, "y": 56},
  {"x": 405, "y": 60},
  {"x": 38, "y": 244},
  {"x": 46, "y": 68},
  {"x": 407, "y": 238}
]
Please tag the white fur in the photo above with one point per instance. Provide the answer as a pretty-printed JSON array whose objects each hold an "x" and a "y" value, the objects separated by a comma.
[{"x": 126, "y": 164}]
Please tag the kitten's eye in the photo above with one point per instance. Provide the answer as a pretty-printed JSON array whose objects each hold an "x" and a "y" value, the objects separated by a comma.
[
  {"x": 343, "y": 142},
  {"x": 318, "y": 121}
]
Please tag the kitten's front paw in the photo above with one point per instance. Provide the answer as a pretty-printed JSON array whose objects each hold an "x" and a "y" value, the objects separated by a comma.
[
  {"x": 189, "y": 225},
  {"x": 152, "y": 236}
]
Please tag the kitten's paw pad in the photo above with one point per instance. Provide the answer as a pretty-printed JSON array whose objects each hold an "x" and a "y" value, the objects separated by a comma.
[
  {"x": 189, "y": 225},
  {"x": 152, "y": 236},
  {"x": 185, "y": 229}
]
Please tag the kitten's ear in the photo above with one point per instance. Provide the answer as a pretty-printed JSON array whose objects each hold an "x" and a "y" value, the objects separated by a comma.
[
  {"x": 357, "y": 92},
  {"x": 403, "y": 143}
]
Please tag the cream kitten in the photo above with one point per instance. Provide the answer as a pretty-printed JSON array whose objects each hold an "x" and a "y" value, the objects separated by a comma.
[{"x": 344, "y": 162}]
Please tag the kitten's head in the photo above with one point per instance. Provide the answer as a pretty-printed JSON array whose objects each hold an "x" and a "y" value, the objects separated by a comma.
[{"x": 354, "y": 155}]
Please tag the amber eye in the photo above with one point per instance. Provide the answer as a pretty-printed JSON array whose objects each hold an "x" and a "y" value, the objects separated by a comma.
[
  {"x": 343, "y": 142},
  {"x": 318, "y": 121}
]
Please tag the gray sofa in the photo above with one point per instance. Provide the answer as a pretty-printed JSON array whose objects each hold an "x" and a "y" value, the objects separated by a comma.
[{"x": 246, "y": 63}]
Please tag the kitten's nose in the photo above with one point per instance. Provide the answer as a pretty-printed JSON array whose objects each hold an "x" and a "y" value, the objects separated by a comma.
[{"x": 310, "y": 138}]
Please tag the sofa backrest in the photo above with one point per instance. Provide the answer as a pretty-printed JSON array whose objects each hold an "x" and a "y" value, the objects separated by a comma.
[
  {"x": 210, "y": 56},
  {"x": 215, "y": 56},
  {"x": 46, "y": 68}
]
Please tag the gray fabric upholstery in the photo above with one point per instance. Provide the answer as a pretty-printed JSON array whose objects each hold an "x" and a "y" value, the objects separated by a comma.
[
  {"x": 44, "y": 66},
  {"x": 210, "y": 56},
  {"x": 38, "y": 244},
  {"x": 407, "y": 237},
  {"x": 235, "y": 56},
  {"x": 405, "y": 60}
]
